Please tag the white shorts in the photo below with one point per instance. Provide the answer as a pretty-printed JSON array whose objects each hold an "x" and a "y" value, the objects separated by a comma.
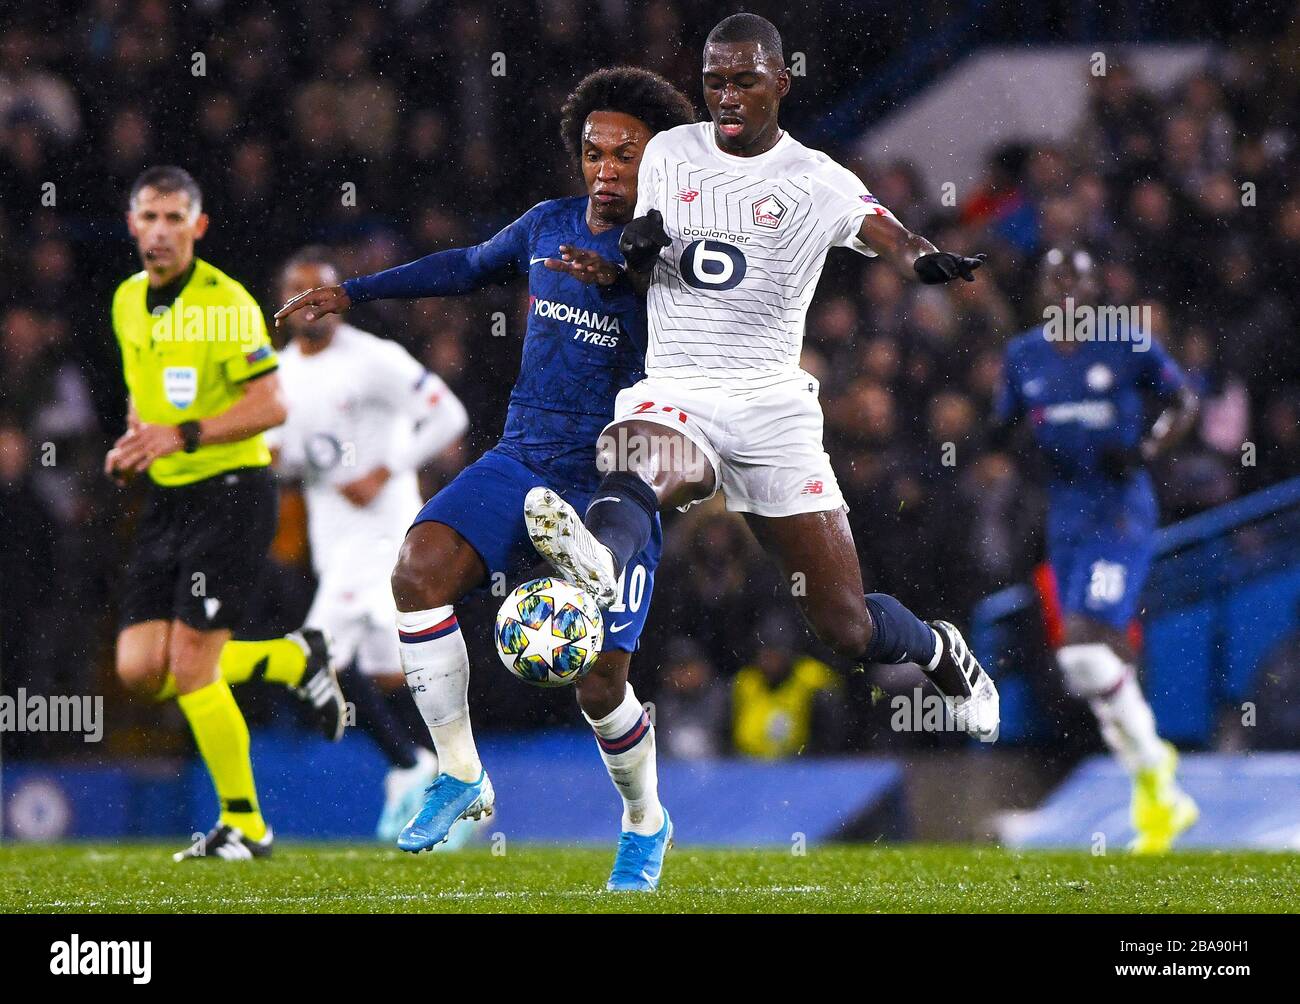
[
  {"x": 362, "y": 622},
  {"x": 765, "y": 446}
]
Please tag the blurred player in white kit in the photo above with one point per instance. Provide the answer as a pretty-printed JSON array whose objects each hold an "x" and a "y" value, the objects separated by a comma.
[{"x": 364, "y": 416}]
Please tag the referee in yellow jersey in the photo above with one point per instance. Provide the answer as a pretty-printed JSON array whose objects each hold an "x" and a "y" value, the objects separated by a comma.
[{"x": 202, "y": 388}]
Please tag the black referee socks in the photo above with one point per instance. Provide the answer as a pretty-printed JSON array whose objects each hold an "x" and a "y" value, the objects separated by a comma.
[{"x": 620, "y": 516}]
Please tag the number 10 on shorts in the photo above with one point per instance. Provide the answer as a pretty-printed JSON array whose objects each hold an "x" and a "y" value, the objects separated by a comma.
[{"x": 631, "y": 591}]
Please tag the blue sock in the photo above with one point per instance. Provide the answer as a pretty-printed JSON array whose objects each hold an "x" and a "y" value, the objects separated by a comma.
[
  {"x": 621, "y": 515},
  {"x": 897, "y": 634}
]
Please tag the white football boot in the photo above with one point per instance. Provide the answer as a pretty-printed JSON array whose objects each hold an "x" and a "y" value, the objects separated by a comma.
[
  {"x": 560, "y": 537},
  {"x": 976, "y": 711}
]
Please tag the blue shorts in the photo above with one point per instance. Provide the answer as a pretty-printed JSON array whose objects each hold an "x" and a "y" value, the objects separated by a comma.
[
  {"x": 1100, "y": 542},
  {"x": 485, "y": 505},
  {"x": 1100, "y": 574}
]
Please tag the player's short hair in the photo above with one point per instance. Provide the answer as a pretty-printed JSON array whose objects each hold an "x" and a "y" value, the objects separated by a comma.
[
  {"x": 312, "y": 254},
  {"x": 748, "y": 28},
  {"x": 166, "y": 179},
  {"x": 628, "y": 90}
]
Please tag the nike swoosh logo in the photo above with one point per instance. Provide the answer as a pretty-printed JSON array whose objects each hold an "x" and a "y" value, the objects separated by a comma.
[
  {"x": 534, "y": 261},
  {"x": 616, "y": 628}
]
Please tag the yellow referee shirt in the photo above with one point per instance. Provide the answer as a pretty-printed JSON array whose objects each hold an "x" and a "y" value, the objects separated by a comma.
[
  {"x": 776, "y": 721},
  {"x": 190, "y": 361}
]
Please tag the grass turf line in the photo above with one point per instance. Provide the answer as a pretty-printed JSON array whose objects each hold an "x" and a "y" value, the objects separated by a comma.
[{"x": 339, "y": 878}]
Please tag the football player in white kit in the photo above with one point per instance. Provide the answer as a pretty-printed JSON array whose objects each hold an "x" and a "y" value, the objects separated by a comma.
[
  {"x": 364, "y": 416},
  {"x": 734, "y": 220}
]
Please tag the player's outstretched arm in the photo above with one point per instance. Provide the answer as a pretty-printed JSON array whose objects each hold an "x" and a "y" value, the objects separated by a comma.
[
  {"x": 444, "y": 273},
  {"x": 584, "y": 265},
  {"x": 912, "y": 254},
  {"x": 317, "y": 303},
  {"x": 453, "y": 272}
]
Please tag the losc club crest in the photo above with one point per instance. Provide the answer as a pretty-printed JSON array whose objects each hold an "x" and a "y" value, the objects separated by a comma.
[{"x": 769, "y": 211}]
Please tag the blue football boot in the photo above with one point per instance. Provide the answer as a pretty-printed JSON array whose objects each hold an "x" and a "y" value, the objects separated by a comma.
[
  {"x": 640, "y": 860},
  {"x": 445, "y": 801},
  {"x": 404, "y": 789}
]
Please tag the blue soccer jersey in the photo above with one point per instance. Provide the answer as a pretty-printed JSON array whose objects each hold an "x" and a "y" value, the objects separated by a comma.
[
  {"x": 583, "y": 344},
  {"x": 1078, "y": 403}
]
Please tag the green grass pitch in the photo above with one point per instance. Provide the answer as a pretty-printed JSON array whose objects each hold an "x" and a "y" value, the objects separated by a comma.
[{"x": 338, "y": 878}]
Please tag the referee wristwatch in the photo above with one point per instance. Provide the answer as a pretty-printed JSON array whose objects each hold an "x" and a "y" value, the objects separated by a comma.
[{"x": 190, "y": 435}]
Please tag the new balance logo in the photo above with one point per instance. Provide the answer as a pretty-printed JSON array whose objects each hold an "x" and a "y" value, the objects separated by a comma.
[
  {"x": 687, "y": 195},
  {"x": 813, "y": 486}
]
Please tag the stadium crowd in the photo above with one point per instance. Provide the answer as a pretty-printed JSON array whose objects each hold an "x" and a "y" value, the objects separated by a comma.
[{"x": 389, "y": 136}]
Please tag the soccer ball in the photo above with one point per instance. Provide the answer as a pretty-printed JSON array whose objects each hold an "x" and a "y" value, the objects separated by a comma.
[{"x": 549, "y": 632}]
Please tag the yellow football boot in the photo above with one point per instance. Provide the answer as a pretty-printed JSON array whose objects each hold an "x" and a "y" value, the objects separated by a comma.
[{"x": 1161, "y": 810}]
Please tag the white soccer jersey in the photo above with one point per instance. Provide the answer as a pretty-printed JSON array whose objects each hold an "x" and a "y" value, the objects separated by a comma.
[
  {"x": 750, "y": 234},
  {"x": 354, "y": 406}
]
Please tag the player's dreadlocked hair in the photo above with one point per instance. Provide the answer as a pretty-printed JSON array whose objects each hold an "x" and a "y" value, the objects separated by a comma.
[
  {"x": 748, "y": 28},
  {"x": 626, "y": 89}
]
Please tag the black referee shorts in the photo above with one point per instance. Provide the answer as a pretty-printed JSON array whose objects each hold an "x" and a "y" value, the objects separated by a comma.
[{"x": 200, "y": 550}]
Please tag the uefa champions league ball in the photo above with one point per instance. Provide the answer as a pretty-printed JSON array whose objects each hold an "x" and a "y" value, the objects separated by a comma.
[{"x": 549, "y": 632}]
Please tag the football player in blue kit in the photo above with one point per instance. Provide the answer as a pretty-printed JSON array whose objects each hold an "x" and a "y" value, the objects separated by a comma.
[
  {"x": 584, "y": 343},
  {"x": 1085, "y": 402}
]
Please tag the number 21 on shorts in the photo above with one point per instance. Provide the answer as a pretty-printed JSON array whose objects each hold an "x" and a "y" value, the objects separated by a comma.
[{"x": 648, "y": 406}]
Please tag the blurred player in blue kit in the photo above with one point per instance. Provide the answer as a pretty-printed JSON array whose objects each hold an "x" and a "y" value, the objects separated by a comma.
[
  {"x": 584, "y": 343},
  {"x": 1085, "y": 402}
]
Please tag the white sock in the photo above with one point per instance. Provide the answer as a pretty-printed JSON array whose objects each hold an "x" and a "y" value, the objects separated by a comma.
[
  {"x": 626, "y": 738},
  {"x": 1128, "y": 725},
  {"x": 436, "y": 666}
]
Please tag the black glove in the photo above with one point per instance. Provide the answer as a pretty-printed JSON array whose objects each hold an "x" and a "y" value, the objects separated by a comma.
[
  {"x": 1118, "y": 462},
  {"x": 943, "y": 266},
  {"x": 641, "y": 240}
]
